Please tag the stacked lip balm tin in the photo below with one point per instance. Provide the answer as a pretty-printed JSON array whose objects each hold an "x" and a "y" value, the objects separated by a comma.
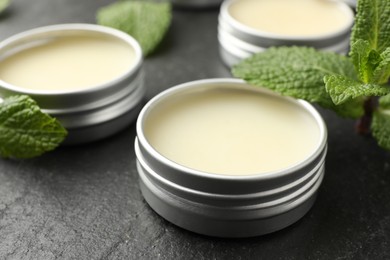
[{"x": 249, "y": 26}]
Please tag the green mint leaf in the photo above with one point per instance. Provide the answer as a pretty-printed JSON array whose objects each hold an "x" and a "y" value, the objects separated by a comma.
[
  {"x": 381, "y": 73},
  {"x": 299, "y": 72},
  {"x": 342, "y": 89},
  {"x": 25, "y": 131},
  {"x": 380, "y": 127},
  {"x": 364, "y": 59},
  {"x": 372, "y": 23},
  {"x": 4, "y": 4},
  {"x": 147, "y": 22}
]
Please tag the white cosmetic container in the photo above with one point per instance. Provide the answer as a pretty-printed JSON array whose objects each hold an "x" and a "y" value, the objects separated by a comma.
[
  {"x": 87, "y": 76},
  {"x": 198, "y": 179}
]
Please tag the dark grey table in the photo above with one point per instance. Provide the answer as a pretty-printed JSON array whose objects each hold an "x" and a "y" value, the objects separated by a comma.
[{"x": 83, "y": 202}]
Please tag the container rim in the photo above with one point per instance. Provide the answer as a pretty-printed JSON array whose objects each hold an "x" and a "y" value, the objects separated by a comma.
[
  {"x": 197, "y": 173},
  {"x": 225, "y": 15},
  {"x": 94, "y": 28}
]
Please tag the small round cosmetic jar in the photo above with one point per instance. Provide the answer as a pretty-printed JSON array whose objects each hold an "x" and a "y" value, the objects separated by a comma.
[
  {"x": 89, "y": 112},
  {"x": 229, "y": 202},
  {"x": 238, "y": 40}
]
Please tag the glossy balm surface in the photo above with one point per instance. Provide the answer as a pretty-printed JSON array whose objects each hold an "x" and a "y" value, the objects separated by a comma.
[
  {"x": 291, "y": 17},
  {"x": 232, "y": 132},
  {"x": 68, "y": 63}
]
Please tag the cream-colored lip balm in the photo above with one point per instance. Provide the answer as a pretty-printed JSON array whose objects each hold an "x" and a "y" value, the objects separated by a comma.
[
  {"x": 67, "y": 63},
  {"x": 232, "y": 131},
  {"x": 291, "y": 17}
]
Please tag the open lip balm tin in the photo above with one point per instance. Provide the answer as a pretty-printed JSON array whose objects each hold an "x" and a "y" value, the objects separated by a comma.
[
  {"x": 88, "y": 113},
  {"x": 218, "y": 204},
  {"x": 239, "y": 41}
]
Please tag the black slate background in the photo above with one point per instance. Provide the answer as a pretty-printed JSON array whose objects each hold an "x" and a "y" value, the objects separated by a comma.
[{"x": 83, "y": 202}]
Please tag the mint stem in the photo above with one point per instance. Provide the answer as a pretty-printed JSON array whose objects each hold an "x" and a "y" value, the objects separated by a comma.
[{"x": 364, "y": 123}]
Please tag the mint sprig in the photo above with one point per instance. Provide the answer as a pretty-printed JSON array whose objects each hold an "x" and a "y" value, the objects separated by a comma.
[
  {"x": 299, "y": 72},
  {"x": 346, "y": 85},
  {"x": 25, "y": 131},
  {"x": 146, "y": 21}
]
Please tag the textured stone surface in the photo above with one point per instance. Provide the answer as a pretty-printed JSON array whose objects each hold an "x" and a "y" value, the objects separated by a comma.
[{"x": 83, "y": 202}]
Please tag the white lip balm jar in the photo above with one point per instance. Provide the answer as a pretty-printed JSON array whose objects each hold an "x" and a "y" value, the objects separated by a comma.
[
  {"x": 250, "y": 26},
  {"x": 222, "y": 158},
  {"x": 87, "y": 76}
]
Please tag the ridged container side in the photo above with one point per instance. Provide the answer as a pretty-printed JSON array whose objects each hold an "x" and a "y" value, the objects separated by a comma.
[
  {"x": 103, "y": 129},
  {"x": 261, "y": 198},
  {"x": 226, "y": 221},
  {"x": 233, "y": 50},
  {"x": 104, "y": 113}
]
